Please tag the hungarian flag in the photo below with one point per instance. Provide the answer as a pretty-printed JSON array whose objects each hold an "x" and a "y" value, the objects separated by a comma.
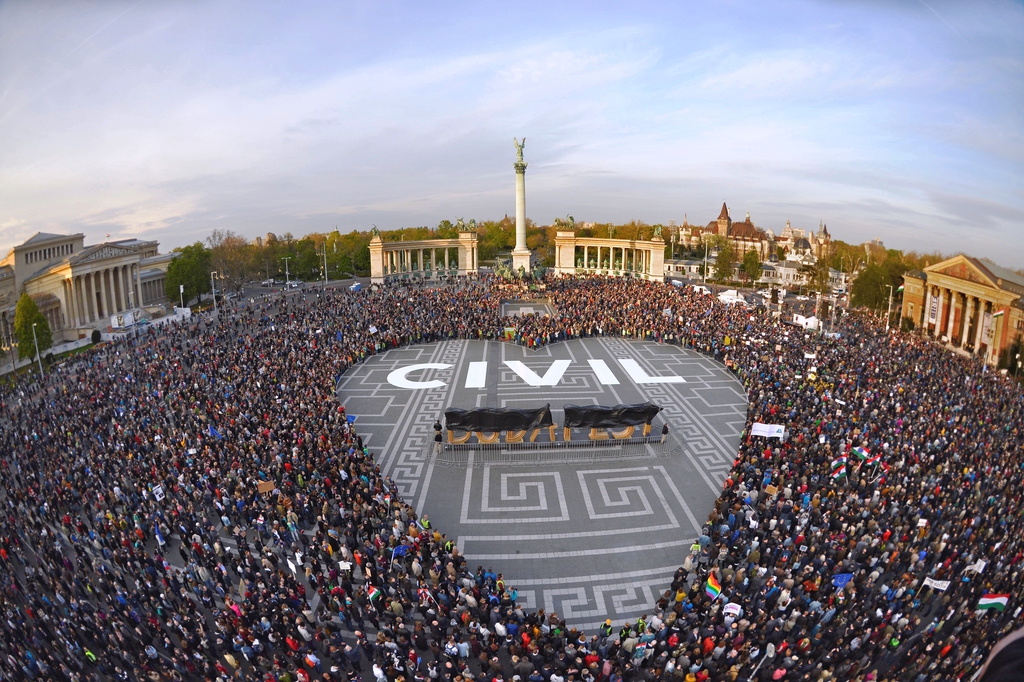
[
  {"x": 993, "y": 601},
  {"x": 838, "y": 467},
  {"x": 713, "y": 588},
  {"x": 998, "y": 314},
  {"x": 862, "y": 453},
  {"x": 373, "y": 593},
  {"x": 874, "y": 460}
]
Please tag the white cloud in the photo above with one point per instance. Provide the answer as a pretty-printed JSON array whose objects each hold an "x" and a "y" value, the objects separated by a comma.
[{"x": 179, "y": 118}]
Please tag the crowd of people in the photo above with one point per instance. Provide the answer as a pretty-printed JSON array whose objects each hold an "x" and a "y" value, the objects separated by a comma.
[{"x": 194, "y": 503}]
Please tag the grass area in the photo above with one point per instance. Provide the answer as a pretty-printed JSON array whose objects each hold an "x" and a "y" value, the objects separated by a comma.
[
  {"x": 9, "y": 378},
  {"x": 69, "y": 353}
]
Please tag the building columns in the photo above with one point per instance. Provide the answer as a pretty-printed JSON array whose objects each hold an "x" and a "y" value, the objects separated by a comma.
[
  {"x": 982, "y": 309},
  {"x": 83, "y": 299},
  {"x": 89, "y": 292},
  {"x": 72, "y": 306},
  {"x": 115, "y": 290},
  {"x": 951, "y": 325},
  {"x": 104, "y": 290},
  {"x": 80, "y": 299},
  {"x": 927, "y": 308},
  {"x": 968, "y": 318},
  {"x": 74, "y": 300}
]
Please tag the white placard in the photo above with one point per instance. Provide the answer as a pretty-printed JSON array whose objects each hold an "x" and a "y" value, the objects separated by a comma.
[{"x": 767, "y": 430}]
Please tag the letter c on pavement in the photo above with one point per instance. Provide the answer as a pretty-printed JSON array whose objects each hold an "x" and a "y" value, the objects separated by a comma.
[{"x": 398, "y": 377}]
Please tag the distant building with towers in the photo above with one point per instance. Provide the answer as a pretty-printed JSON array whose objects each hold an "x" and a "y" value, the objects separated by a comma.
[{"x": 744, "y": 236}]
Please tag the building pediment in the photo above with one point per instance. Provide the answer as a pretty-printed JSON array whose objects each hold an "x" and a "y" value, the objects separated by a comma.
[
  {"x": 961, "y": 267},
  {"x": 102, "y": 252}
]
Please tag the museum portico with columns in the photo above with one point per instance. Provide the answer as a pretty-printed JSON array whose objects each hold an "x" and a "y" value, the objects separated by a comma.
[
  {"x": 971, "y": 304},
  {"x": 79, "y": 288}
]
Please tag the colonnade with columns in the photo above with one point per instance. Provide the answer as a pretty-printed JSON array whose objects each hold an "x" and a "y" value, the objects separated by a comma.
[
  {"x": 596, "y": 255},
  {"x": 96, "y": 295},
  {"x": 154, "y": 290},
  {"x": 618, "y": 258},
  {"x": 422, "y": 261},
  {"x": 423, "y": 257},
  {"x": 958, "y": 316}
]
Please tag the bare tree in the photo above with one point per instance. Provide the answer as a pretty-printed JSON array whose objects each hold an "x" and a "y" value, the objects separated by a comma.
[{"x": 231, "y": 256}]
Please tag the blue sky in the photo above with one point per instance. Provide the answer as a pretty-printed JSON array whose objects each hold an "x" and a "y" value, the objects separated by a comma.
[{"x": 164, "y": 119}]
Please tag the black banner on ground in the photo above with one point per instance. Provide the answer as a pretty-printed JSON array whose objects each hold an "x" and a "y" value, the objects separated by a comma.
[
  {"x": 497, "y": 419},
  {"x": 601, "y": 417}
]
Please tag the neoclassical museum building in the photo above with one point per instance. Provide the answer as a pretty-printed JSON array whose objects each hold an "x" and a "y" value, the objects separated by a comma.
[
  {"x": 79, "y": 288},
  {"x": 968, "y": 303}
]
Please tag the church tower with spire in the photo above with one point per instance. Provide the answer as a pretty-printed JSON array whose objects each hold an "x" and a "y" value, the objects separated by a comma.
[{"x": 724, "y": 222}]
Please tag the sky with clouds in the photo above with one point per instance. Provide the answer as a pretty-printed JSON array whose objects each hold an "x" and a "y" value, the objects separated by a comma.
[{"x": 166, "y": 119}]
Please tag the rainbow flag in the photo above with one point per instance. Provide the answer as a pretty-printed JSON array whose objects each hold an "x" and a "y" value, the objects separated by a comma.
[{"x": 713, "y": 588}]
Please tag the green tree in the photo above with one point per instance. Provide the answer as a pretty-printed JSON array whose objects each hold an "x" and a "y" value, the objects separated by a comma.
[
  {"x": 723, "y": 264},
  {"x": 871, "y": 288},
  {"x": 446, "y": 230},
  {"x": 494, "y": 238},
  {"x": 25, "y": 315},
  {"x": 752, "y": 265},
  {"x": 190, "y": 267}
]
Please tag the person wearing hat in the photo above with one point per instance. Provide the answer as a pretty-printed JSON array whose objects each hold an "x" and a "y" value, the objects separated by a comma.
[{"x": 605, "y": 631}]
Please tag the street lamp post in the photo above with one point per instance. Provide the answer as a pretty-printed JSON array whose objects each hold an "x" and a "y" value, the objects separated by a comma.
[
  {"x": 324, "y": 254},
  {"x": 35, "y": 340},
  {"x": 286, "y": 280},
  {"x": 213, "y": 288},
  {"x": 888, "y": 310},
  {"x": 769, "y": 654}
]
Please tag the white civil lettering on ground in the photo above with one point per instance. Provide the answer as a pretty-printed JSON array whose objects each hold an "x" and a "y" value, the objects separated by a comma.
[
  {"x": 398, "y": 378},
  {"x": 476, "y": 377},
  {"x": 638, "y": 375},
  {"x": 603, "y": 372},
  {"x": 550, "y": 378}
]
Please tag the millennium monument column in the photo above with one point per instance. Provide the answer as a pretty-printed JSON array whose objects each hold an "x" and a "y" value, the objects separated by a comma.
[{"x": 520, "y": 254}]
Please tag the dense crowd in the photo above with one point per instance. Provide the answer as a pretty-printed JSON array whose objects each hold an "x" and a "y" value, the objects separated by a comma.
[{"x": 195, "y": 504}]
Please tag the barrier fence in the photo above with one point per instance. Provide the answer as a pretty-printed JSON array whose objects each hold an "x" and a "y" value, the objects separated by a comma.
[{"x": 558, "y": 452}]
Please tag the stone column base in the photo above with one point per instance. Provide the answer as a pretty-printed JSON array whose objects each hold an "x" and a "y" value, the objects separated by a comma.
[{"x": 521, "y": 258}]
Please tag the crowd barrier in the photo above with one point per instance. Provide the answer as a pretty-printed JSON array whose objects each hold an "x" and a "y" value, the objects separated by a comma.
[{"x": 558, "y": 452}]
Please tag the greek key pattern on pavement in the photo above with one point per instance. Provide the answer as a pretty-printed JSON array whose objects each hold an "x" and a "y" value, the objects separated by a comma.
[
  {"x": 407, "y": 469},
  {"x": 587, "y": 539}
]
